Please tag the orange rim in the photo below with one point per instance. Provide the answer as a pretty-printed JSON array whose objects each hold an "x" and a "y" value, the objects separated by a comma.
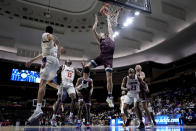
[{"x": 103, "y": 11}]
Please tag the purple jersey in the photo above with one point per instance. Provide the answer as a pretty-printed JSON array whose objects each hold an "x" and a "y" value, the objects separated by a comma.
[
  {"x": 105, "y": 58},
  {"x": 107, "y": 46}
]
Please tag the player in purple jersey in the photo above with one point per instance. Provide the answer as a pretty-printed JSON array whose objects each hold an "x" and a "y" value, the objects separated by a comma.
[{"x": 107, "y": 46}]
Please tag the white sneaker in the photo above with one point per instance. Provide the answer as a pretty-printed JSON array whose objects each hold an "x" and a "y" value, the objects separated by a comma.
[
  {"x": 70, "y": 120},
  {"x": 53, "y": 122},
  {"x": 35, "y": 115},
  {"x": 109, "y": 100},
  {"x": 150, "y": 125}
]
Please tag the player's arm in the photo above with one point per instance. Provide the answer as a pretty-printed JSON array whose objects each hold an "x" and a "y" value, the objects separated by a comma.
[
  {"x": 142, "y": 75},
  {"x": 79, "y": 73},
  {"x": 94, "y": 29},
  {"x": 78, "y": 84},
  {"x": 110, "y": 31},
  {"x": 144, "y": 84},
  {"x": 91, "y": 91},
  {"x": 28, "y": 64},
  {"x": 123, "y": 85},
  {"x": 57, "y": 42}
]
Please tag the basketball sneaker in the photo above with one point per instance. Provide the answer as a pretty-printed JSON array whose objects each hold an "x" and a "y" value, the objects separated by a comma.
[
  {"x": 79, "y": 124},
  {"x": 109, "y": 100},
  {"x": 53, "y": 122},
  {"x": 141, "y": 126},
  {"x": 36, "y": 115},
  {"x": 88, "y": 125},
  {"x": 70, "y": 120}
]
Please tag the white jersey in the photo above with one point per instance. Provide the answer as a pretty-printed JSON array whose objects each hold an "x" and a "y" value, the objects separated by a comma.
[
  {"x": 134, "y": 86},
  {"x": 67, "y": 75},
  {"x": 49, "y": 48}
]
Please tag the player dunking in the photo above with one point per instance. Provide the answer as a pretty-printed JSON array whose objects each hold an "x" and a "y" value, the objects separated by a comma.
[
  {"x": 84, "y": 88},
  {"x": 66, "y": 75},
  {"x": 107, "y": 46},
  {"x": 50, "y": 65}
]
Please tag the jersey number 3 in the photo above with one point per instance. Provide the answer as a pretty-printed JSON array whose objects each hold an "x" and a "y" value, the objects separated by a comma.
[{"x": 133, "y": 87}]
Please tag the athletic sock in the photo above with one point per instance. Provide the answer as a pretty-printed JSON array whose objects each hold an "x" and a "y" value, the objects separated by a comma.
[
  {"x": 54, "y": 116},
  {"x": 109, "y": 94},
  {"x": 70, "y": 114},
  {"x": 38, "y": 107}
]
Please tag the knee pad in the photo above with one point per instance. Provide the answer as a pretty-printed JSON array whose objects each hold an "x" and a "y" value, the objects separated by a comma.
[
  {"x": 86, "y": 69},
  {"x": 108, "y": 69},
  {"x": 80, "y": 100},
  {"x": 93, "y": 63}
]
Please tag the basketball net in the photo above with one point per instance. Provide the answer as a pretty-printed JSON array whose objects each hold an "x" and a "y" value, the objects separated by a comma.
[{"x": 113, "y": 12}]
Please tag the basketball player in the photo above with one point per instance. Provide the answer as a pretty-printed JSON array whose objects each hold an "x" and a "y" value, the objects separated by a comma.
[
  {"x": 131, "y": 83},
  {"x": 143, "y": 93},
  {"x": 50, "y": 65},
  {"x": 67, "y": 75},
  {"x": 107, "y": 46},
  {"x": 84, "y": 88}
]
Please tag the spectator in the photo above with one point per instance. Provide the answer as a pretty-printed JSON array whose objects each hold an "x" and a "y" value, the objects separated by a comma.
[
  {"x": 191, "y": 117},
  {"x": 182, "y": 119}
]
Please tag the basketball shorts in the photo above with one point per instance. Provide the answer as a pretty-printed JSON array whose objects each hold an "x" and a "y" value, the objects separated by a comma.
[
  {"x": 49, "y": 68},
  {"x": 105, "y": 60}
]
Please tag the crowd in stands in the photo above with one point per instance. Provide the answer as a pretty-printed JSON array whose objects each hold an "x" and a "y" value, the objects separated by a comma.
[{"x": 181, "y": 101}]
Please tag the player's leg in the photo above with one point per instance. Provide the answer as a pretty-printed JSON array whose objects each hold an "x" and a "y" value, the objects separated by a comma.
[
  {"x": 48, "y": 71},
  {"x": 152, "y": 117},
  {"x": 87, "y": 101},
  {"x": 52, "y": 84},
  {"x": 125, "y": 114},
  {"x": 92, "y": 64},
  {"x": 72, "y": 95},
  {"x": 145, "y": 107},
  {"x": 80, "y": 107},
  {"x": 109, "y": 99},
  {"x": 88, "y": 113},
  {"x": 41, "y": 92},
  {"x": 56, "y": 106},
  {"x": 139, "y": 114},
  {"x": 127, "y": 101}
]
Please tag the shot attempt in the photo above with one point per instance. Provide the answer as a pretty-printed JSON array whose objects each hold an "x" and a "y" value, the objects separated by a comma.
[{"x": 107, "y": 47}]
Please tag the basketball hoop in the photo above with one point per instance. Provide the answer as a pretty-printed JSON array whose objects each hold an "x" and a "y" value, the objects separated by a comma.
[{"x": 113, "y": 11}]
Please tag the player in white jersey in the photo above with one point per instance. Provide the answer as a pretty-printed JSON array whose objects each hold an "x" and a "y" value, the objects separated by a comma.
[
  {"x": 131, "y": 84},
  {"x": 122, "y": 101},
  {"x": 49, "y": 67},
  {"x": 66, "y": 74}
]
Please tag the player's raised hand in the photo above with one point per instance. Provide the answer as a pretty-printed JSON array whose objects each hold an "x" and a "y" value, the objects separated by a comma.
[{"x": 83, "y": 63}]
